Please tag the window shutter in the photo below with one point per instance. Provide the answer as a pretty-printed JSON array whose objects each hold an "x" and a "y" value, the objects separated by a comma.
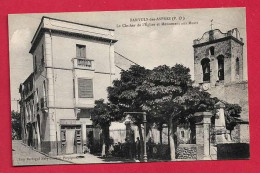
[
  {"x": 77, "y": 51},
  {"x": 83, "y": 52},
  {"x": 85, "y": 87}
]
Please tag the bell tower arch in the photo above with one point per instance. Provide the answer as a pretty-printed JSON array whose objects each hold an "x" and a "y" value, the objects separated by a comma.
[{"x": 218, "y": 58}]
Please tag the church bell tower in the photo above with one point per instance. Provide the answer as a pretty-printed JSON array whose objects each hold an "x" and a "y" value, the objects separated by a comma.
[{"x": 218, "y": 58}]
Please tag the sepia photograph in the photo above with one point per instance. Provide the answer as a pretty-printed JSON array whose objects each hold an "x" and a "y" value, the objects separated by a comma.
[{"x": 128, "y": 86}]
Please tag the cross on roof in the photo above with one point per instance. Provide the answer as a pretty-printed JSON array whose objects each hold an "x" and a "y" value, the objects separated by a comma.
[{"x": 211, "y": 24}]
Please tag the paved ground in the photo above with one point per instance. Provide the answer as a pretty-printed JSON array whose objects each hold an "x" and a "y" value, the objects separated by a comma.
[
  {"x": 81, "y": 158},
  {"x": 24, "y": 155}
]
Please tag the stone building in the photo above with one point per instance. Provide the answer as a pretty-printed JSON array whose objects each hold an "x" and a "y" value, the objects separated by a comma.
[
  {"x": 73, "y": 65},
  {"x": 218, "y": 69},
  {"x": 26, "y": 90}
]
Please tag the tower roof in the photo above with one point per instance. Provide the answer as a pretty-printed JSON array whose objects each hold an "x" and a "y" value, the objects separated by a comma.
[
  {"x": 71, "y": 28},
  {"x": 216, "y": 35}
]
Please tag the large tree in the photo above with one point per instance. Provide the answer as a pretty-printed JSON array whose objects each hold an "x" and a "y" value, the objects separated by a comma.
[
  {"x": 102, "y": 115},
  {"x": 16, "y": 125},
  {"x": 232, "y": 115},
  {"x": 125, "y": 95},
  {"x": 166, "y": 94},
  {"x": 171, "y": 98},
  {"x": 163, "y": 89}
]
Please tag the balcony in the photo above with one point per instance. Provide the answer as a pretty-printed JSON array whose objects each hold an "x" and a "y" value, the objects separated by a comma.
[{"x": 83, "y": 63}]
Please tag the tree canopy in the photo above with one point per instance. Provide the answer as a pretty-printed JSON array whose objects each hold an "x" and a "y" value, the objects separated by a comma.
[
  {"x": 165, "y": 93},
  {"x": 124, "y": 92},
  {"x": 16, "y": 125}
]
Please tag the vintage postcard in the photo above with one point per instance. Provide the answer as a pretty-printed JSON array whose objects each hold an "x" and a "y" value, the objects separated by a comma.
[{"x": 129, "y": 86}]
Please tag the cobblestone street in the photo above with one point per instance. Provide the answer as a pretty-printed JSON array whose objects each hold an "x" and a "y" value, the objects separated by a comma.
[{"x": 24, "y": 155}]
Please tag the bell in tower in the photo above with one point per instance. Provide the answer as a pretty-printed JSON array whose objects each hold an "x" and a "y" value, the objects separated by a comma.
[{"x": 218, "y": 58}]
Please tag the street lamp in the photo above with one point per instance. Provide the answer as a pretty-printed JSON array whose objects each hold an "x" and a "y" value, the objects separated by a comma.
[{"x": 144, "y": 121}]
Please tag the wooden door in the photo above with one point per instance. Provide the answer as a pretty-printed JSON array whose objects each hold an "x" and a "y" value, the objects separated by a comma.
[{"x": 70, "y": 140}]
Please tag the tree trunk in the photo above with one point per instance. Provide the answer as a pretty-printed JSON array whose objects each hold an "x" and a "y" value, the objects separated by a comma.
[
  {"x": 141, "y": 141},
  {"x": 103, "y": 153},
  {"x": 172, "y": 129},
  {"x": 160, "y": 135},
  {"x": 230, "y": 131},
  {"x": 106, "y": 138},
  {"x": 103, "y": 147}
]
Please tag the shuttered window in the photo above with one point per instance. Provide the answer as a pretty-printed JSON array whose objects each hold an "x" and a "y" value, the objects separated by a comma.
[
  {"x": 85, "y": 87},
  {"x": 81, "y": 51}
]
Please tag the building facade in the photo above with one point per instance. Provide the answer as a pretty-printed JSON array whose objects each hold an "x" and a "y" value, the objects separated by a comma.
[
  {"x": 27, "y": 111},
  {"x": 219, "y": 69},
  {"x": 73, "y": 65}
]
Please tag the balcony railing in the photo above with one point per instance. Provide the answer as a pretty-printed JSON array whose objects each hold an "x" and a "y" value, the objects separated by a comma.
[{"x": 83, "y": 63}]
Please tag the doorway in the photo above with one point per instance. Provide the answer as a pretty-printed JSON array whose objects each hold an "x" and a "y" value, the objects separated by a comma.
[
  {"x": 89, "y": 133},
  {"x": 70, "y": 140}
]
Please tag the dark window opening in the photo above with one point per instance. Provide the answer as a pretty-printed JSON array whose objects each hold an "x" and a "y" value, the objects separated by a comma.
[
  {"x": 182, "y": 134},
  {"x": 221, "y": 68},
  {"x": 80, "y": 51},
  {"x": 31, "y": 85},
  {"x": 212, "y": 50},
  {"x": 42, "y": 60},
  {"x": 44, "y": 98},
  {"x": 237, "y": 66},
  {"x": 205, "y": 63},
  {"x": 44, "y": 89}
]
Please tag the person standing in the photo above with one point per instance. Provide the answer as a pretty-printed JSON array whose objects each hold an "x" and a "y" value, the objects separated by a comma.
[
  {"x": 138, "y": 148},
  {"x": 150, "y": 147}
]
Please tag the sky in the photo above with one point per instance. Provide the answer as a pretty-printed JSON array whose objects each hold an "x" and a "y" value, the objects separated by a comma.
[{"x": 147, "y": 46}]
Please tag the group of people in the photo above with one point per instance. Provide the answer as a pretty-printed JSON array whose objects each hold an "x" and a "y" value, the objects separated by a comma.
[{"x": 130, "y": 149}]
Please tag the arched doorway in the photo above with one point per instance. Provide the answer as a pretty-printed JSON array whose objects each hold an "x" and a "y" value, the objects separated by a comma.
[{"x": 221, "y": 74}]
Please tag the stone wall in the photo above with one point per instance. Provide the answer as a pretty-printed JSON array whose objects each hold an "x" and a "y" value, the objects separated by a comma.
[
  {"x": 233, "y": 89},
  {"x": 234, "y": 93},
  {"x": 186, "y": 151},
  {"x": 230, "y": 47},
  {"x": 220, "y": 48},
  {"x": 183, "y": 134},
  {"x": 235, "y": 134},
  {"x": 240, "y": 134}
]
